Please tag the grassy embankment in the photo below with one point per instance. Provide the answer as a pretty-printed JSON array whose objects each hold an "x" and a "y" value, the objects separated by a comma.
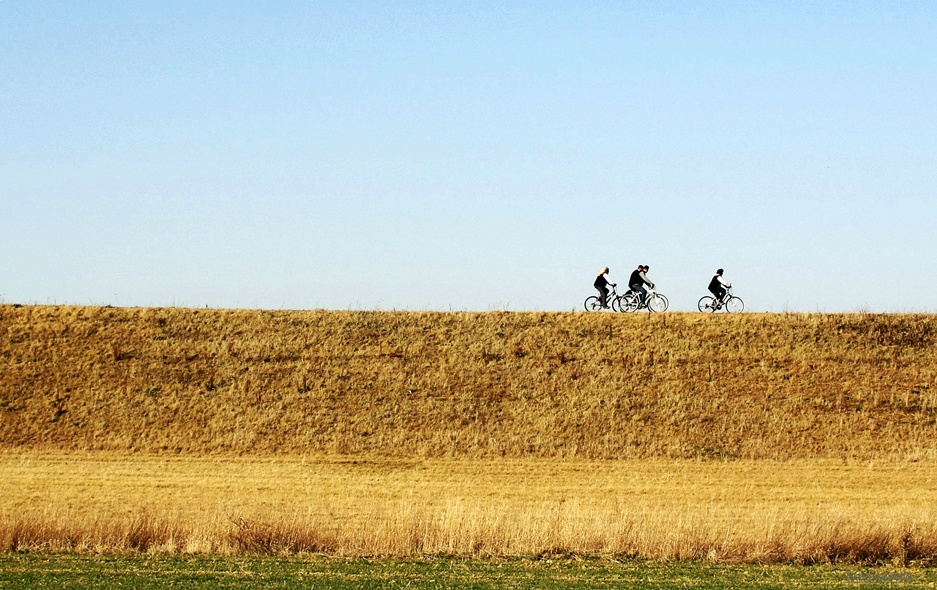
[
  {"x": 468, "y": 385},
  {"x": 363, "y": 433}
]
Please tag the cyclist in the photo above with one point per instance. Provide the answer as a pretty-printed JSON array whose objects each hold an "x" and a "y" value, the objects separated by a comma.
[
  {"x": 601, "y": 283},
  {"x": 718, "y": 286},
  {"x": 637, "y": 281}
]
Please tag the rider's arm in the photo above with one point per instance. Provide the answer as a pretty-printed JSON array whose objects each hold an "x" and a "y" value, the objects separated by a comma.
[{"x": 646, "y": 281}]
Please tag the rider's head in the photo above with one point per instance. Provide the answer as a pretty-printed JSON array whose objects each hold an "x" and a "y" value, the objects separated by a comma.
[
  {"x": 646, "y": 268},
  {"x": 719, "y": 272},
  {"x": 604, "y": 271}
]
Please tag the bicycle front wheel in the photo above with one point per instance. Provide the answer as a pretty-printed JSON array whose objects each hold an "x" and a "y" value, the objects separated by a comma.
[
  {"x": 592, "y": 303},
  {"x": 657, "y": 303},
  {"x": 707, "y": 303},
  {"x": 735, "y": 305}
]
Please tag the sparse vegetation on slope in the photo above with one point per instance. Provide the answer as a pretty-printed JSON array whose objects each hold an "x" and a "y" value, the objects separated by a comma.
[{"x": 468, "y": 384}]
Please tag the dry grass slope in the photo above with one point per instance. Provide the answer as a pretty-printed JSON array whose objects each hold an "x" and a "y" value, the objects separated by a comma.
[{"x": 473, "y": 385}]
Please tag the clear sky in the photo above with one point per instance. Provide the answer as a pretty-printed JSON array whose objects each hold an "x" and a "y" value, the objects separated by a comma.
[{"x": 467, "y": 155}]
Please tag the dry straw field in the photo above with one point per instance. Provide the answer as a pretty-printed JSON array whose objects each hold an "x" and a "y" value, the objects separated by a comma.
[{"x": 754, "y": 437}]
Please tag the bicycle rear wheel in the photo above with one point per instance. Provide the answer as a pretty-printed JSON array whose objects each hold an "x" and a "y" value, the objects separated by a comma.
[
  {"x": 657, "y": 303},
  {"x": 707, "y": 303},
  {"x": 629, "y": 302},
  {"x": 735, "y": 305},
  {"x": 592, "y": 303}
]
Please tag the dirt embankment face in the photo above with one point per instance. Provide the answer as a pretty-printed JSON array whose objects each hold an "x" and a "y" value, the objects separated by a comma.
[{"x": 760, "y": 386}]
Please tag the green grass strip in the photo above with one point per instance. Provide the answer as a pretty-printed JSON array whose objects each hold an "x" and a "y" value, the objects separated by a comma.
[{"x": 36, "y": 571}]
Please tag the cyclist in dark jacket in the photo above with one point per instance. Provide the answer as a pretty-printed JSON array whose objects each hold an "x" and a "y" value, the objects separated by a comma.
[
  {"x": 601, "y": 283},
  {"x": 718, "y": 286},
  {"x": 637, "y": 281}
]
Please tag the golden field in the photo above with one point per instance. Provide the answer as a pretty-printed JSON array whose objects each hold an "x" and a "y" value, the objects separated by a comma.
[
  {"x": 805, "y": 511},
  {"x": 759, "y": 437}
]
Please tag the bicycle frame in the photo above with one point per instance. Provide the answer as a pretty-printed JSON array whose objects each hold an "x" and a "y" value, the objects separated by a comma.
[
  {"x": 726, "y": 297},
  {"x": 650, "y": 291},
  {"x": 631, "y": 297},
  {"x": 611, "y": 300},
  {"x": 720, "y": 304},
  {"x": 612, "y": 295}
]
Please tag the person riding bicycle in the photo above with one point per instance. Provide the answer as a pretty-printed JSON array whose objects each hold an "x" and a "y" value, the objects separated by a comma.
[
  {"x": 637, "y": 281},
  {"x": 718, "y": 286},
  {"x": 601, "y": 283}
]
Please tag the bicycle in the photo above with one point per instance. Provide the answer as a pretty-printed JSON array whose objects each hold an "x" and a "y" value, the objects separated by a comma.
[
  {"x": 730, "y": 303},
  {"x": 612, "y": 301},
  {"x": 654, "y": 302}
]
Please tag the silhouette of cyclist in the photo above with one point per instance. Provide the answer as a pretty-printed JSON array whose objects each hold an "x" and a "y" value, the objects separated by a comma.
[
  {"x": 718, "y": 286},
  {"x": 637, "y": 281},
  {"x": 601, "y": 283}
]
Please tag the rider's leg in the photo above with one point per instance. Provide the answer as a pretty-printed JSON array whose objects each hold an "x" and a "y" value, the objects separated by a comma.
[
  {"x": 643, "y": 293},
  {"x": 603, "y": 295},
  {"x": 636, "y": 289}
]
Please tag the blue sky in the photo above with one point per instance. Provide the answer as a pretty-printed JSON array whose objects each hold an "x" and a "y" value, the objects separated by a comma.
[{"x": 420, "y": 155}]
